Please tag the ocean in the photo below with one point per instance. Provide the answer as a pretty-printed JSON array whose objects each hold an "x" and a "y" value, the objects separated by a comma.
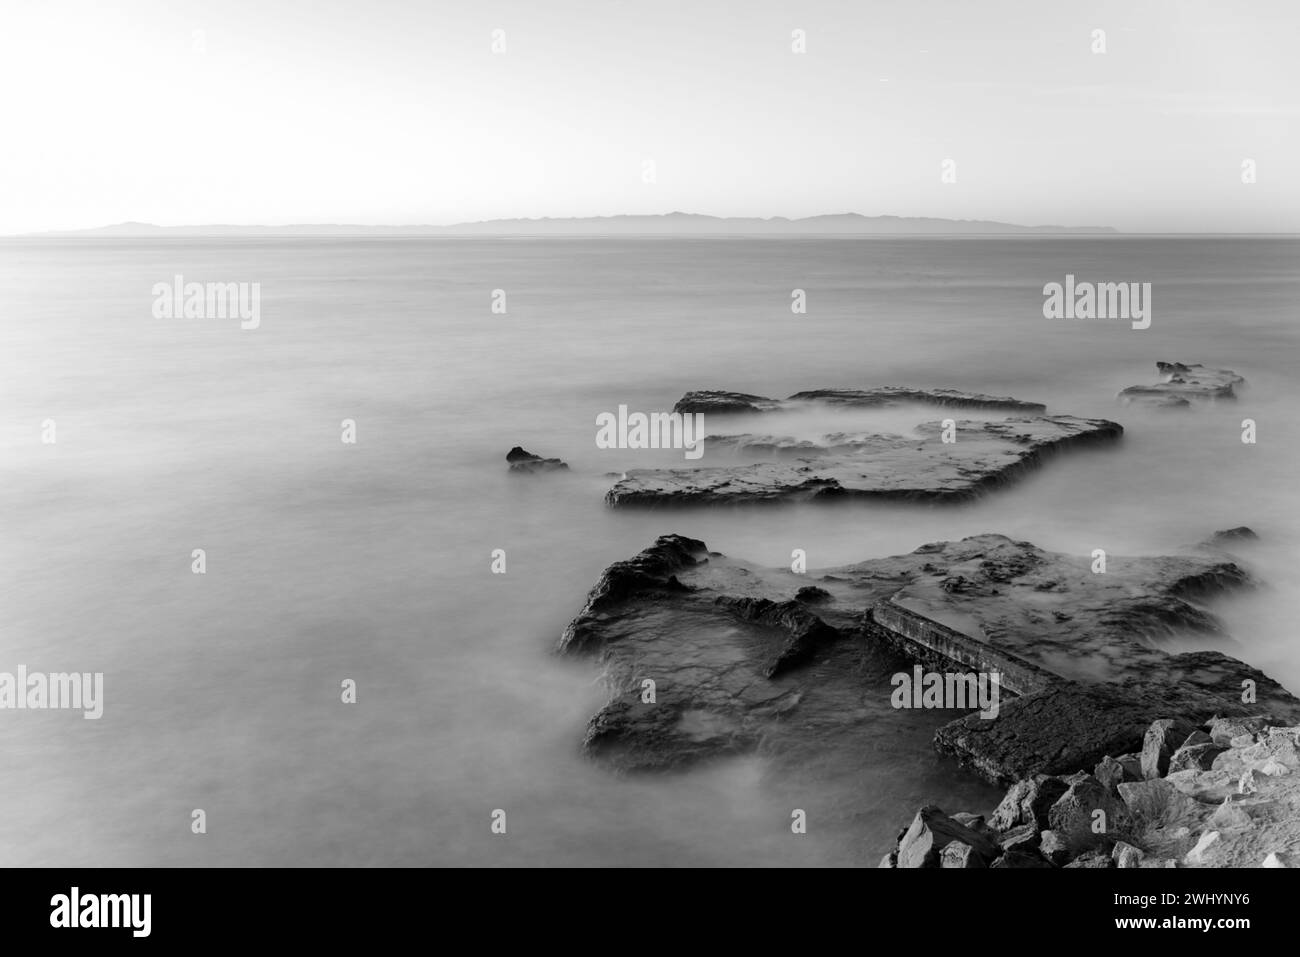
[{"x": 371, "y": 561}]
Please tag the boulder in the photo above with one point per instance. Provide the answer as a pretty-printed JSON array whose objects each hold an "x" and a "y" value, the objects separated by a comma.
[
  {"x": 526, "y": 463},
  {"x": 1159, "y": 744},
  {"x": 1087, "y": 815},
  {"x": 1028, "y": 803},
  {"x": 932, "y": 831}
]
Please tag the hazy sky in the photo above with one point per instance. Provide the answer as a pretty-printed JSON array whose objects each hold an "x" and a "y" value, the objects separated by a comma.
[{"x": 398, "y": 111}]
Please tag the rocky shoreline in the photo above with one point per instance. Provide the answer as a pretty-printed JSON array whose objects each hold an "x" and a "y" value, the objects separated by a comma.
[
  {"x": 1223, "y": 793},
  {"x": 1184, "y": 757},
  {"x": 743, "y": 657}
]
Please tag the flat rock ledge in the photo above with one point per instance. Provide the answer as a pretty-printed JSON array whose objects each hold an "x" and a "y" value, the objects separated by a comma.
[
  {"x": 719, "y": 402},
  {"x": 923, "y": 467},
  {"x": 1180, "y": 385},
  {"x": 741, "y": 658},
  {"x": 1220, "y": 793},
  {"x": 526, "y": 463}
]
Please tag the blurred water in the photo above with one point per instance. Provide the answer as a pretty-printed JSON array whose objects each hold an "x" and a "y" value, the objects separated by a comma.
[{"x": 371, "y": 561}]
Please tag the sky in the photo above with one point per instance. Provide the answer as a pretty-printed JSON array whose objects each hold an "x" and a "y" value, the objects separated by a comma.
[{"x": 400, "y": 112}]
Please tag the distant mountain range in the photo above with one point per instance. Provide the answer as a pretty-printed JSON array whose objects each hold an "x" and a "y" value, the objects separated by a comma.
[{"x": 685, "y": 224}]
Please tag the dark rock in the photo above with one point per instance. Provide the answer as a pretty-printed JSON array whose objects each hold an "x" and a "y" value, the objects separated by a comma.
[
  {"x": 811, "y": 595},
  {"x": 1181, "y": 385},
  {"x": 881, "y": 397},
  {"x": 1075, "y": 725},
  {"x": 931, "y": 832},
  {"x": 528, "y": 463},
  {"x": 1110, "y": 772},
  {"x": 1197, "y": 755},
  {"x": 1087, "y": 815},
  {"x": 1021, "y": 856},
  {"x": 805, "y": 632},
  {"x": 722, "y": 403},
  {"x": 1028, "y": 803},
  {"x": 1094, "y": 858},
  {"x": 1025, "y": 835},
  {"x": 1160, "y": 742},
  {"x": 1054, "y": 848},
  {"x": 736, "y": 664}
]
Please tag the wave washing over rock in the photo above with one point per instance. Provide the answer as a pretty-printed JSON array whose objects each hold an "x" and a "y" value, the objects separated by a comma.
[
  {"x": 743, "y": 657},
  {"x": 1181, "y": 385}
]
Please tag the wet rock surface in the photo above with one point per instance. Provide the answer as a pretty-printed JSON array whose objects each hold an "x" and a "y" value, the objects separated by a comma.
[
  {"x": 743, "y": 658},
  {"x": 719, "y": 402},
  {"x": 921, "y": 467},
  {"x": 526, "y": 463},
  {"x": 1181, "y": 385}
]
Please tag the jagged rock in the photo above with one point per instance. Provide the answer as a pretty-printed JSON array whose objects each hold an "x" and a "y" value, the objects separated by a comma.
[
  {"x": 1111, "y": 772},
  {"x": 1247, "y": 784},
  {"x": 1229, "y": 815},
  {"x": 890, "y": 859},
  {"x": 1181, "y": 385},
  {"x": 1073, "y": 725},
  {"x": 1126, "y": 855},
  {"x": 1054, "y": 847},
  {"x": 931, "y": 832},
  {"x": 1093, "y": 858},
  {"x": 1075, "y": 817},
  {"x": 1159, "y": 744},
  {"x": 882, "y": 397},
  {"x": 1027, "y": 803},
  {"x": 1275, "y": 859},
  {"x": 1021, "y": 835},
  {"x": 1203, "y": 850},
  {"x": 737, "y": 663},
  {"x": 920, "y": 467},
  {"x": 1194, "y": 756},
  {"x": 957, "y": 854},
  {"x": 1021, "y": 856},
  {"x": 1224, "y": 730},
  {"x": 528, "y": 464},
  {"x": 1204, "y": 786},
  {"x": 975, "y": 822}
]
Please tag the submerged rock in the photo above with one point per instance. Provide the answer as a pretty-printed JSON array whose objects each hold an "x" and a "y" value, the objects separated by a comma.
[
  {"x": 920, "y": 468},
  {"x": 527, "y": 463},
  {"x": 740, "y": 656},
  {"x": 1181, "y": 385}
]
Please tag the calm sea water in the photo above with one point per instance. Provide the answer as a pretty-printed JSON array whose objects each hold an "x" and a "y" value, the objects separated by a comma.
[{"x": 371, "y": 562}]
